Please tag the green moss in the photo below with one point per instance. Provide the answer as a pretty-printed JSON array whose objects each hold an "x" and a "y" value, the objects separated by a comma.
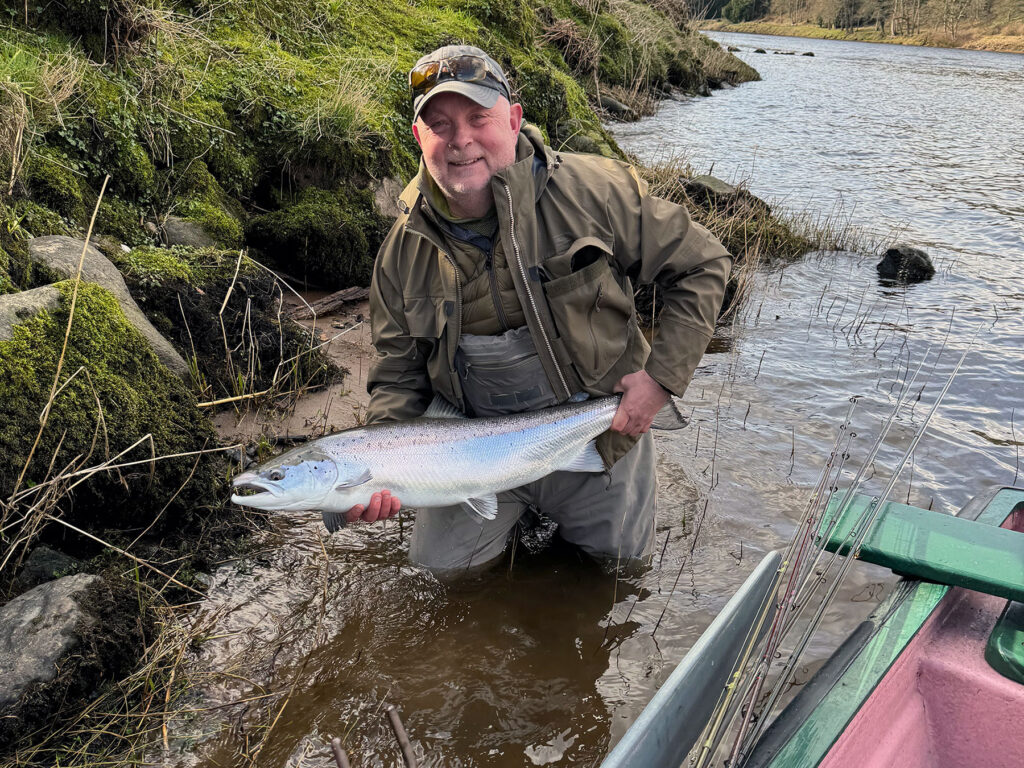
[
  {"x": 182, "y": 290},
  {"x": 150, "y": 265},
  {"x": 328, "y": 238},
  {"x": 215, "y": 221},
  {"x": 6, "y": 284},
  {"x": 52, "y": 183},
  {"x": 37, "y": 220},
  {"x": 121, "y": 219},
  {"x": 126, "y": 395}
]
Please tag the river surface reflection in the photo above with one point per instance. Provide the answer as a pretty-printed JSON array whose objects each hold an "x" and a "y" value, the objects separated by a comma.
[{"x": 547, "y": 659}]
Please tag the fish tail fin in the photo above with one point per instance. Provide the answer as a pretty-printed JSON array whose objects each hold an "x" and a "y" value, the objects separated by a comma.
[{"x": 669, "y": 417}]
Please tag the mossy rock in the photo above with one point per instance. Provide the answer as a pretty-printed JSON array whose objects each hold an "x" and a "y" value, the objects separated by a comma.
[
  {"x": 122, "y": 395},
  {"x": 214, "y": 220},
  {"x": 327, "y": 238},
  {"x": 182, "y": 291}
]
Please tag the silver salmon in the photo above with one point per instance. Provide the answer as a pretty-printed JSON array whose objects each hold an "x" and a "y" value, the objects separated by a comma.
[{"x": 439, "y": 459}]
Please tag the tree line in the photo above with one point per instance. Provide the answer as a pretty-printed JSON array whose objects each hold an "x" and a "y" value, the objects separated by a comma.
[{"x": 890, "y": 17}]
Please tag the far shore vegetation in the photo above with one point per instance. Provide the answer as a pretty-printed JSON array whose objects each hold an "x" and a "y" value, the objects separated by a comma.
[{"x": 992, "y": 25}]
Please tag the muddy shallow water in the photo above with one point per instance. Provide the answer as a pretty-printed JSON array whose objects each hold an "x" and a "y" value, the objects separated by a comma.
[{"x": 547, "y": 658}]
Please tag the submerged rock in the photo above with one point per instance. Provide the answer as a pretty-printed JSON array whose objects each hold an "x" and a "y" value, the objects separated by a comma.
[
  {"x": 905, "y": 264},
  {"x": 61, "y": 254}
]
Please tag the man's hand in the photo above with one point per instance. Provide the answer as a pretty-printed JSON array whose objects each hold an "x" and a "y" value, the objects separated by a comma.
[
  {"x": 642, "y": 398},
  {"x": 382, "y": 506}
]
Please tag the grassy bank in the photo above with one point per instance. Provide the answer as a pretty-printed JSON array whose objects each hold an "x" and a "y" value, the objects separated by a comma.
[
  {"x": 273, "y": 125},
  {"x": 1009, "y": 41}
]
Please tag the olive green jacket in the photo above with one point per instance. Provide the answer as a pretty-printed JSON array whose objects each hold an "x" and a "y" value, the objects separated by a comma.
[{"x": 578, "y": 232}]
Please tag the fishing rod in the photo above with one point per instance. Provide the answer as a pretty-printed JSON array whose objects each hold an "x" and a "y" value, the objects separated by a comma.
[
  {"x": 725, "y": 709},
  {"x": 799, "y": 567},
  {"x": 862, "y": 527},
  {"x": 790, "y": 607}
]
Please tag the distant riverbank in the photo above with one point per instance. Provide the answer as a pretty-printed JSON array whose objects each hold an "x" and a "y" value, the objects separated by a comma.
[{"x": 977, "y": 40}]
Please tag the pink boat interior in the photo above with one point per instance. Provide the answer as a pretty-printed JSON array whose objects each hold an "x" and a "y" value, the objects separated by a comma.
[{"x": 942, "y": 705}]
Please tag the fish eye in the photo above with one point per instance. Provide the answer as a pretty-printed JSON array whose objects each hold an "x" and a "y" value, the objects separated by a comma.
[{"x": 276, "y": 474}]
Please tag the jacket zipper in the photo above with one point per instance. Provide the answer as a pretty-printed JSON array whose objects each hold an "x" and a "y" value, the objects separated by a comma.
[
  {"x": 492, "y": 278},
  {"x": 529, "y": 291}
]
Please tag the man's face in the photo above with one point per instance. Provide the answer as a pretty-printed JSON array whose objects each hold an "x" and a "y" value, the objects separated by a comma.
[{"x": 465, "y": 144}]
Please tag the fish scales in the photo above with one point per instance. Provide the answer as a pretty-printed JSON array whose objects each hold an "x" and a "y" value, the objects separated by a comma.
[{"x": 431, "y": 461}]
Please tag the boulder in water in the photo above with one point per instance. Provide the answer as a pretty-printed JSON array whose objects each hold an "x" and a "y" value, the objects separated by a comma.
[{"x": 905, "y": 264}]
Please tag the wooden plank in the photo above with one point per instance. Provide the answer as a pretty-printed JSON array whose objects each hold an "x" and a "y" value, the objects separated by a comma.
[
  {"x": 935, "y": 547},
  {"x": 330, "y": 303}
]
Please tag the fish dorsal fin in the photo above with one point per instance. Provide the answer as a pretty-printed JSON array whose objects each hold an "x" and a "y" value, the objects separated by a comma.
[
  {"x": 333, "y": 521},
  {"x": 588, "y": 460},
  {"x": 669, "y": 417},
  {"x": 363, "y": 477},
  {"x": 485, "y": 506},
  {"x": 440, "y": 408}
]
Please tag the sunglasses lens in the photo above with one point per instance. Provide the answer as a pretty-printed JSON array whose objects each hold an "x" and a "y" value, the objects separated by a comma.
[
  {"x": 423, "y": 77},
  {"x": 468, "y": 69}
]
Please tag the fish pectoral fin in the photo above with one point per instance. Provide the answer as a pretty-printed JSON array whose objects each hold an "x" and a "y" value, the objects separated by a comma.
[
  {"x": 440, "y": 408},
  {"x": 669, "y": 417},
  {"x": 485, "y": 506},
  {"x": 333, "y": 521},
  {"x": 588, "y": 460},
  {"x": 364, "y": 477}
]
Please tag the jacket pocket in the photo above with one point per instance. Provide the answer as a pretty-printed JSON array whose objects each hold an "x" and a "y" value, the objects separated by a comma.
[
  {"x": 591, "y": 310},
  {"x": 425, "y": 316}
]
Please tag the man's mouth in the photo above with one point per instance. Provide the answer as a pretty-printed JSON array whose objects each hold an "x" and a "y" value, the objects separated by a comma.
[{"x": 464, "y": 163}]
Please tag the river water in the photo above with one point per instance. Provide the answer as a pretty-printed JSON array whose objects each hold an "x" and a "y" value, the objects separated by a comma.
[{"x": 547, "y": 659}]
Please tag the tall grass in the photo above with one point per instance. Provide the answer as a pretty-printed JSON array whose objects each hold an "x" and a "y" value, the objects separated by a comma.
[{"x": 34, "y": 94}]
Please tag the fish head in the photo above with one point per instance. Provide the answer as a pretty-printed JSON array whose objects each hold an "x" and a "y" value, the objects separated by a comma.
[{"x": 296, "y": 480}]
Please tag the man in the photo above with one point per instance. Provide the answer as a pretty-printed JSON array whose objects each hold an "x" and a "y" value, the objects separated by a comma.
[{"x": 506, "y": 285}]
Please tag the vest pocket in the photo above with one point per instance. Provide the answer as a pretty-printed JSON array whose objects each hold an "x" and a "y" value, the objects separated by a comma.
[{"x": 591, "y": 311}]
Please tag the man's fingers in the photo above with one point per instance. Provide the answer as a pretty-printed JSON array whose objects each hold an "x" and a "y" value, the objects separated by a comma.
[
  {"x": 620, "y": 420},
  {"x": 355, "y": 513}
]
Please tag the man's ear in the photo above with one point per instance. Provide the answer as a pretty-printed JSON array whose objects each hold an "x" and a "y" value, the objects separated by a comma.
[
  {"x": 515, "y": 116},
  {"x": 416, "y": 133}
]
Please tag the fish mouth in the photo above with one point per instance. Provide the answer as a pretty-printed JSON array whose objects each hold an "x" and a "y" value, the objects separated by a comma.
[{"x": 249, "y": 489}]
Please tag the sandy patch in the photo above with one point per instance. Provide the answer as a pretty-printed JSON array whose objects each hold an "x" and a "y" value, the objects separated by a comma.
[{"x": 345, "y": 336}]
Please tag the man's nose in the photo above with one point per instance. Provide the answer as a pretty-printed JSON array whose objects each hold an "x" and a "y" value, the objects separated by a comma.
[{"x": 461, "y": 135}]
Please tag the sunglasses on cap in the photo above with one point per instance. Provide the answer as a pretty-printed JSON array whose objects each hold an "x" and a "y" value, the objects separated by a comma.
[{"x": 466, "y": 69}]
